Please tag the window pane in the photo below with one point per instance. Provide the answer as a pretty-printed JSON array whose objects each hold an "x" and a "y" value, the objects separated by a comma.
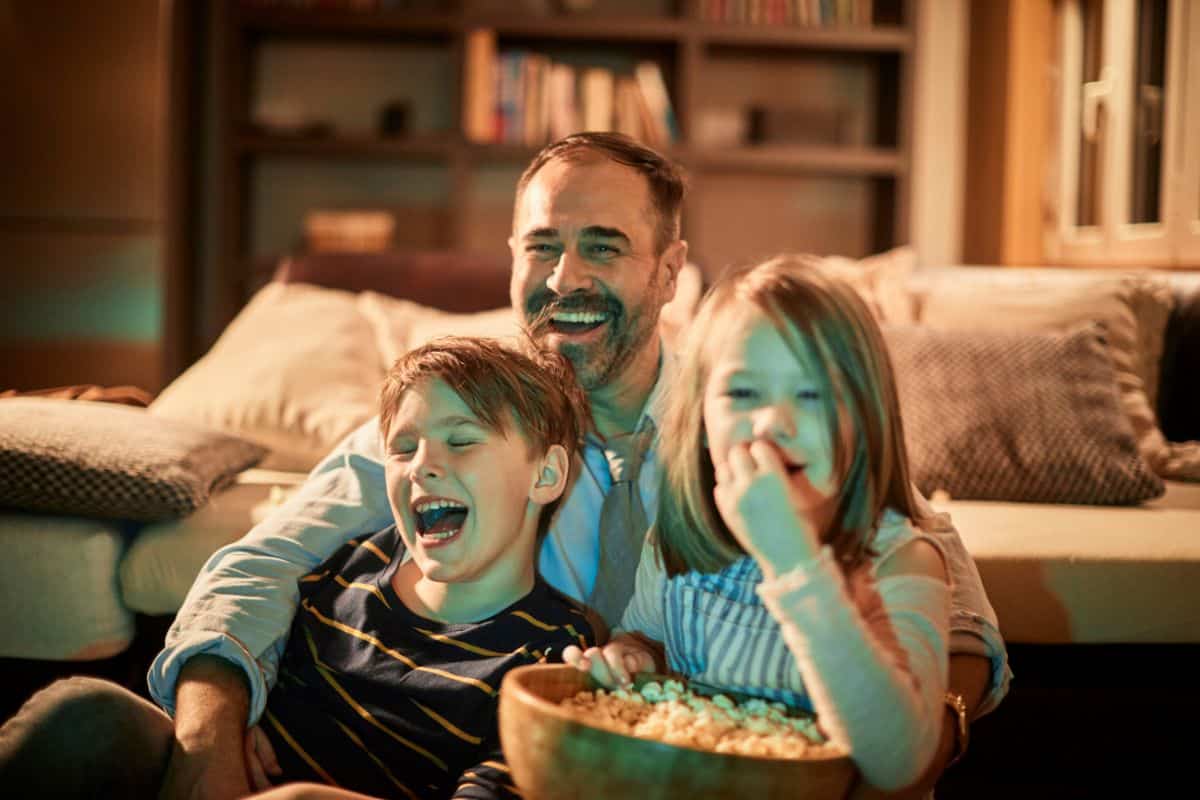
[
  {"x": 1149, "y": 91},
  {"x": 1088, "y": 211}
]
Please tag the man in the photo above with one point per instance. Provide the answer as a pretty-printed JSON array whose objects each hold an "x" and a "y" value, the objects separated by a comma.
[{"x": 596, "y": 249}]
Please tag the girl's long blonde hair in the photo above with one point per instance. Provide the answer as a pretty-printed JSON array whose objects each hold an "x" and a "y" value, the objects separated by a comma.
[{"x": 827, "y": 325}]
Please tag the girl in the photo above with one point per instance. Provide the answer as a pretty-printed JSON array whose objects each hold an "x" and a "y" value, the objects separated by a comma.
[{"x": 788, "y": 560}]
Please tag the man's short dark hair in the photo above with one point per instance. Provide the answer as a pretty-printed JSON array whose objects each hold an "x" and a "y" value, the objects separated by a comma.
[{"x": 664, "y": 177}]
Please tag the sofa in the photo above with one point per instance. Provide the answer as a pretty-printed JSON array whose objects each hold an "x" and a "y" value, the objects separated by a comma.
[{"x": 300, "y": 365}]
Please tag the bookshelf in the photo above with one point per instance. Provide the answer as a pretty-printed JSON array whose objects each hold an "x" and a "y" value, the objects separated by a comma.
[{"x": 844, "y": 193}]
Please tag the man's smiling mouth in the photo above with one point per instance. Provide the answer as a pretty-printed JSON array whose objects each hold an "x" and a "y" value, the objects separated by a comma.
[
  {"x": 439, "y": 518},
  {"x": 573, "y": 322}
]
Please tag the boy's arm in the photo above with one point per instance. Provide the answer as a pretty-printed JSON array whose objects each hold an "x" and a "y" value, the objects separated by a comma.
[{"x": 241, "y": 606}]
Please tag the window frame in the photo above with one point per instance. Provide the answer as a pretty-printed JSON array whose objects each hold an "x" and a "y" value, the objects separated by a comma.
[{"x": 1174, "y": 241}]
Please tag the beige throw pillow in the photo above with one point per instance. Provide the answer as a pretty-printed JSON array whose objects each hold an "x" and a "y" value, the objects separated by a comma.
[
  {"x": 296, "y": 370},
  {"x": 881, "y": 280},
  {"x": 1133, "y": 309}
]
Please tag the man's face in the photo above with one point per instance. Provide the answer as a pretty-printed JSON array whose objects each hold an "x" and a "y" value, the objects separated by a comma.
[
  {"x": 583, "y": 246},
  {"x": 460, "y": 491}
]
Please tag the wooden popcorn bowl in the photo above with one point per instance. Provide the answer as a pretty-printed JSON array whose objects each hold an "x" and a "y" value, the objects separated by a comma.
[{"x": 554, "y": 754}]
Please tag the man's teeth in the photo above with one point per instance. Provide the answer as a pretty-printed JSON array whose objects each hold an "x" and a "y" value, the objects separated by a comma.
[{"x": 579, "y": 316}]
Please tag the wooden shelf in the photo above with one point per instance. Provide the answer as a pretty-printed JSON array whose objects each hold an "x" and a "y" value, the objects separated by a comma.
[
  {"x": 845, "y": 39},
  {"x": 798, "y": 159},
  {"x": 366, "y": 147},
  {"x": 325, "y": 23}
]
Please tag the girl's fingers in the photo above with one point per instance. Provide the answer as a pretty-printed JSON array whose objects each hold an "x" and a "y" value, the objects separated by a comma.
[
  {"x": 766, "y": 455},
  {"x": 740, "y": 462}
]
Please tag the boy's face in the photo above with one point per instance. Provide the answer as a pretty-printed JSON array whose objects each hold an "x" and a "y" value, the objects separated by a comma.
[{"x": 461, "y": 493}]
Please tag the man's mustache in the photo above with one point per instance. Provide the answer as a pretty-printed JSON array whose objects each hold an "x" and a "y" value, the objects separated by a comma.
[{"x": 543, "y": 305}]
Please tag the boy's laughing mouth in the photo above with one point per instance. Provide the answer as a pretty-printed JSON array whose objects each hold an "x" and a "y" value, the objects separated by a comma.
[{"x": 438, "y": 519}]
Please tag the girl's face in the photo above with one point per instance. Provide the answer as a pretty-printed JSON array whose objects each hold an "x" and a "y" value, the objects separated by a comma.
[{"x": 758, "y": 389}]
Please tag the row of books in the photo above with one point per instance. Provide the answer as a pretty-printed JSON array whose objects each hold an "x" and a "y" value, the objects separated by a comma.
[
  {"x": 428, "y": 6},
  {"x": 818, "y": 13},
  {"x": 525, "y": 98}
]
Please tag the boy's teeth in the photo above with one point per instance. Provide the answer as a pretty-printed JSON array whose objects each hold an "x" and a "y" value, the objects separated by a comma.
[
  {"x": 579, "y": 316},
  {"x": 433, "y": 505}
]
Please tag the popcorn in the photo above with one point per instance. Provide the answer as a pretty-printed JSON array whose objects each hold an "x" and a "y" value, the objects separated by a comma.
[{"x": 672, "y": 713}]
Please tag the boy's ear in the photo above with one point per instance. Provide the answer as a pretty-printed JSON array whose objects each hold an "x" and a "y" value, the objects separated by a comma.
[{"x": 552, "y": 476}]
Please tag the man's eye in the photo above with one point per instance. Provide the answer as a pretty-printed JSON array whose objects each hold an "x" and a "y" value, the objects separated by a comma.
[
  {"x": 602, "y": 250},
  {"x": 540, "y": 249}
]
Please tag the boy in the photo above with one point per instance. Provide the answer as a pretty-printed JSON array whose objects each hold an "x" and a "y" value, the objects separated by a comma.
[{"x": 389, "y": 680}]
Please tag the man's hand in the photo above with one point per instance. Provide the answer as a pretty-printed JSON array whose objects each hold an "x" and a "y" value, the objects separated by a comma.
[
  {"x": 261, "y": 764},
  {"x": 212, "y": 702}
]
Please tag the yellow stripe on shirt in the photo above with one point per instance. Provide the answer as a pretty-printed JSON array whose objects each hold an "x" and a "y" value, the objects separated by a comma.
[
  {"x": 383, "y": 767},
  {"x": 447, "y": 724},
  {"x": 470, "y": 648},
  {"x": 533, "y": 621},
  {"x": 327, "y": 674},
  {"x": 300, "y": 751},
  {"x": 397, "y": 655},
  {"x": 365, "y": 587}
]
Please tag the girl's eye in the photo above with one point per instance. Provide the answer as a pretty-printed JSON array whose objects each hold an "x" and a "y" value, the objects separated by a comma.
[
  {"x": 741, "y": 393},
  {"x": 808, "y": 394},
  {"x": 403, "y": 452},
  {"x": 462, "y": 443}
]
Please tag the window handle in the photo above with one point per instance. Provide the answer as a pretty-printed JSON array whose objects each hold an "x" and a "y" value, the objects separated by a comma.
[{"x": 1095, "y": 93}]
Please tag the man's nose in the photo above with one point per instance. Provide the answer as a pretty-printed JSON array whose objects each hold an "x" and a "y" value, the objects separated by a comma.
[{"x": 570, "y": 275}]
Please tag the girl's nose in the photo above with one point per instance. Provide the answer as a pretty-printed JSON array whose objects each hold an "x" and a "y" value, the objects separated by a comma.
[{"x": 776, "y": 422}]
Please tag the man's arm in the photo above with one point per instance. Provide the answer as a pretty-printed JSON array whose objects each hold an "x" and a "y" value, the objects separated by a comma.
[
  {"x": 969, "y": 677},
  {"x": 241, "y": 606},
  {"x": 207, "y": 761}
]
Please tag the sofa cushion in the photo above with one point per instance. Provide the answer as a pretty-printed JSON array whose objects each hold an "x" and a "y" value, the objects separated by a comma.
[
  {"x": 110, "y": 461},
  {"x": 1179, "y": 389},
  {"x": 1081, "y": 574},
  {"x": 296, "y": 371},
  {"x": 1029, "y": 417},
  {"x": 58, "y": 588},
  {"x": 1134, "y": 308}
]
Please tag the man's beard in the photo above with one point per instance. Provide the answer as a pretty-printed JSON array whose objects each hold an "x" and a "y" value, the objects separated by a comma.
[{"x": 596, "y": 363}]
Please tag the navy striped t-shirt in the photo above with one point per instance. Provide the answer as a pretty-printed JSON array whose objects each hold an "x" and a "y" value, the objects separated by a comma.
[{"x": 377, "y": 699}]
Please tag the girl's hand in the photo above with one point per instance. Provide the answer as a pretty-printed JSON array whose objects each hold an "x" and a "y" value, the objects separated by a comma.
[
  {"x": 775, "y": 516},
  {"x": 614, "y": 664}
]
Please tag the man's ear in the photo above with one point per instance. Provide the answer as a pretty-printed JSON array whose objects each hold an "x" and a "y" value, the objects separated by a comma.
[
  {"x": 673, "y": 259},
  {"x": 552, "y": 476}
]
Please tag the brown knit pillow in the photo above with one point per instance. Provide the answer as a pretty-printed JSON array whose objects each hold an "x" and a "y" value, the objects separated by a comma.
[
  {"x": 1027, "y": 417},
  {"x": 103, "y": 460}
]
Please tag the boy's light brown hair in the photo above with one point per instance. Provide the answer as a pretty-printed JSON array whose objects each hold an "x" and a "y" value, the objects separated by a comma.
[{"x": 521, "y": 387}]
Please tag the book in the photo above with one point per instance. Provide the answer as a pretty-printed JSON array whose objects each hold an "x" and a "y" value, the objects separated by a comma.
[
  {"x": 627, "y": 115},
  {"x": 654, "y": 90},
  {"x": 479, "y": 86},
  {"x": 596, "y": 92},
  {"x": 564, "y": 109}
]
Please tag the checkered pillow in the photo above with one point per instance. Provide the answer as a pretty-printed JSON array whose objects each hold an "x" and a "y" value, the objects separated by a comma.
[
  {"x": 102, "y": 460},
  {"x": 1026, "y": 417}
]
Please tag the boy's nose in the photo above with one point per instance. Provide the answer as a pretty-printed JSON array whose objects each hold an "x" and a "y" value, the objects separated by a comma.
[
  {"x": 425, "y": 464},
  {"x": 569, "y": 275}
]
